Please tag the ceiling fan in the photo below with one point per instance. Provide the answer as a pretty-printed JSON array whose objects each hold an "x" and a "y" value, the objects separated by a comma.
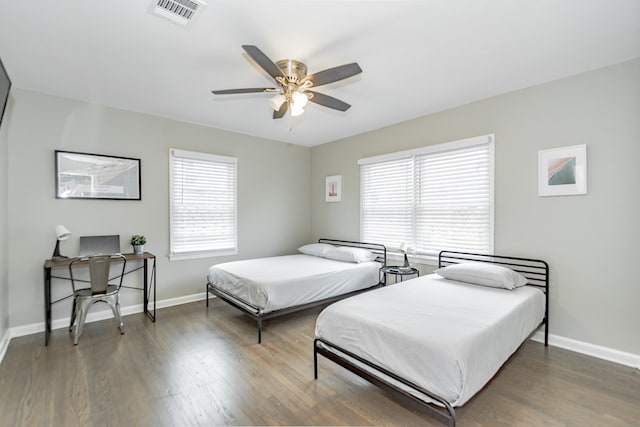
[{"x": 295, "y": 85}]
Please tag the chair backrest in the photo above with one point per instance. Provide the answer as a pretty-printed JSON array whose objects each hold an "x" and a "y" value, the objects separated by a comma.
[{"x": 99, "y": 268}]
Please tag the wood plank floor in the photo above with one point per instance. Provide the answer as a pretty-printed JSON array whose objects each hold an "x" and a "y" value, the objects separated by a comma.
[{"x": 203, "y": 367}]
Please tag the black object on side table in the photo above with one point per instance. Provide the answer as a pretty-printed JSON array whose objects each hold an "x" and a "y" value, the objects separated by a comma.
[{"x": 397, "y": 270}]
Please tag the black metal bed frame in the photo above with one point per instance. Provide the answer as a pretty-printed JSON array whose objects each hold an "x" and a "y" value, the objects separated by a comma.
[
  {"x": 537, "y": 273},
  {"x": 256, "y": 313}
]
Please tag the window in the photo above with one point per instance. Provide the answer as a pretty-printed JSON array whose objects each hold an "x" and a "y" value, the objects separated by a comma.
[
  {"x": 202, "y": 211},
  {"x": 433, "y": 198}
]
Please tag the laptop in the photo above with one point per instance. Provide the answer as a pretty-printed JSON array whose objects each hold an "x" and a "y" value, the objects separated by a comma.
[{"x": 99, "y": 245}]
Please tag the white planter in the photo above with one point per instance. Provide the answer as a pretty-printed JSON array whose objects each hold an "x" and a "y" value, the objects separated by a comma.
[{"x": 138, "y": 249}]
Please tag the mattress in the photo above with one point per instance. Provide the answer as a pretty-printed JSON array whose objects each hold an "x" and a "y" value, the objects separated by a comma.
[
  {"x": 285, "y": 281},
  {"x": 447, "y": 337}
]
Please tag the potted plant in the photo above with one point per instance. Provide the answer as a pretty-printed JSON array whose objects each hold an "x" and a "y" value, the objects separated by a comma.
[{"x": 138, "y": 241}]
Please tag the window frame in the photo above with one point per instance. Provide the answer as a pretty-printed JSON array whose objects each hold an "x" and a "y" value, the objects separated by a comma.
[
  {"x": 412, "y": 155},
  {"x": 214, "y": 159}
]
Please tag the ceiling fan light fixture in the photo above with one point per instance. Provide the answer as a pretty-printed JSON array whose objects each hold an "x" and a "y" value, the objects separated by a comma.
[
  {"x": 299, "y": 99},
  {"x": 277, "y": 101},
  {"x": 296, "y": 110}
]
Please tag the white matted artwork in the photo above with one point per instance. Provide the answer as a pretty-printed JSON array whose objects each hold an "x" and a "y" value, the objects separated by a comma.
[
  {"x": 562, "y": 171},
  {"x": 333, "y": 188}
]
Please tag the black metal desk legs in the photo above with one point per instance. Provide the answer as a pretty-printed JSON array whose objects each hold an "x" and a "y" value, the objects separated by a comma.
[
  {"x": 148, "y": 288},
  {"x": 47, "y": 304}
]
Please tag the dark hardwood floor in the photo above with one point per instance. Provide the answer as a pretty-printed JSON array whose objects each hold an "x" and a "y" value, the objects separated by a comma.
[{"x": 203, "y": 367}]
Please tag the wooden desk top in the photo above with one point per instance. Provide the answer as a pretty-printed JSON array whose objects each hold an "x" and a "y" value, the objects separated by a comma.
[{"x": 49, "y": 263}]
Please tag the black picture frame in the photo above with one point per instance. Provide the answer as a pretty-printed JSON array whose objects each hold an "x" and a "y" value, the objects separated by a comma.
[{"x": 97, "y": 176}]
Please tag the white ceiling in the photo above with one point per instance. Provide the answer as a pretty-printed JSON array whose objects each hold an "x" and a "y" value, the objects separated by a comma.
[{"x": 418, "y": 57}]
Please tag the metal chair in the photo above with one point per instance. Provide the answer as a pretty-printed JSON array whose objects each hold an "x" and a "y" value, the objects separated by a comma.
[{"x": 100, "y": 290}]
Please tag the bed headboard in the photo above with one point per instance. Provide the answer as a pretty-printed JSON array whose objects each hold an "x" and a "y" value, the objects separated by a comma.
[
  {"x": 376, "y": 248},
  {"x": 535, "y": 270}
]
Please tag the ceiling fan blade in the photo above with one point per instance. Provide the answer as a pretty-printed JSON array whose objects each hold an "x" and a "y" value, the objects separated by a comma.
[
  {"x": 263, "y": 61},
  {"x": 280, "y": 113},
  {"x": 334, "y": 74},
  {"x": 328, "y": 101},
  {"x": 247, "y": 90}
]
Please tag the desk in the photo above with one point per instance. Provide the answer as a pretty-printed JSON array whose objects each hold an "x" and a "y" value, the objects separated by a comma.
[{"x": 148, "y": 285}]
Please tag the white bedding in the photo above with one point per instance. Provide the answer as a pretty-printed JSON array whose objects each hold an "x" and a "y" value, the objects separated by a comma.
[
  {"x": 286, "y": 281},
  {"x": 448, "y": 337}
]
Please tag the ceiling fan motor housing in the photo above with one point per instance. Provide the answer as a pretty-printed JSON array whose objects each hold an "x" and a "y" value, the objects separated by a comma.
[{"x": 294, "y": 70}]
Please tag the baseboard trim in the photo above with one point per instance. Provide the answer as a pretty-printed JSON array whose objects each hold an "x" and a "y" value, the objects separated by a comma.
[
  {"x": 38, "y": 327},
  {"x": 605, "y": 353},
  {"x": 4, "y": 344}
]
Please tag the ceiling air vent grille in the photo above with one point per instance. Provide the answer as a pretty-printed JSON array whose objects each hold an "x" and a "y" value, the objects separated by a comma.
[{"x": 180, "y": 12}]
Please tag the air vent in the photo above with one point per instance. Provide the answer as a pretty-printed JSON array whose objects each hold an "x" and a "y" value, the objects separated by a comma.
[{"x": 180, "y": 12}]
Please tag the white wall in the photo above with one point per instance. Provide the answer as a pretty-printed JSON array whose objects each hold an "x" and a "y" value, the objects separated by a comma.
[
  {"x": 273, "y": 199},
  {"x": 590, "y": 241}
]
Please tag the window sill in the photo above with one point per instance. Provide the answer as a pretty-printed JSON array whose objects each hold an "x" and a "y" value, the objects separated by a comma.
[
  {"x": 198, "y": 255},
  {"x": 413, "y": 259}
]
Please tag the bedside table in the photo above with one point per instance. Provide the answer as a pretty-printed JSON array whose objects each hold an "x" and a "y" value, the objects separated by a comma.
[{"x": 396, "y": 270}]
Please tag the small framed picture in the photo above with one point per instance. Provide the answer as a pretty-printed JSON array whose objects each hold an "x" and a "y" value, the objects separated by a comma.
[
  {"x": 562, "y": 171},
  {"x": 333, "y": 188}
]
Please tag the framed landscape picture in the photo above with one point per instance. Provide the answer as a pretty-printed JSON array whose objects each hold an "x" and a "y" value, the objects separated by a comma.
[
  {"x": 96, "y": 176},
  {"x": 562, "y": 171}
]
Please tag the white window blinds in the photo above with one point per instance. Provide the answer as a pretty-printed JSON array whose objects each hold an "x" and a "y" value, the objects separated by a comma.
[
  {"x": 434, "y": 198},
  {"x": 203, "y": 216},
  {"x": 386, "y": 197}
]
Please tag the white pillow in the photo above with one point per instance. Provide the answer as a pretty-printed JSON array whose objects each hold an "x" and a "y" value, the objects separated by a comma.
[
  {"x": 315, "y": 249},
  {"x": 344, "y": 253},
  {"x": 482, "y": 273}
]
